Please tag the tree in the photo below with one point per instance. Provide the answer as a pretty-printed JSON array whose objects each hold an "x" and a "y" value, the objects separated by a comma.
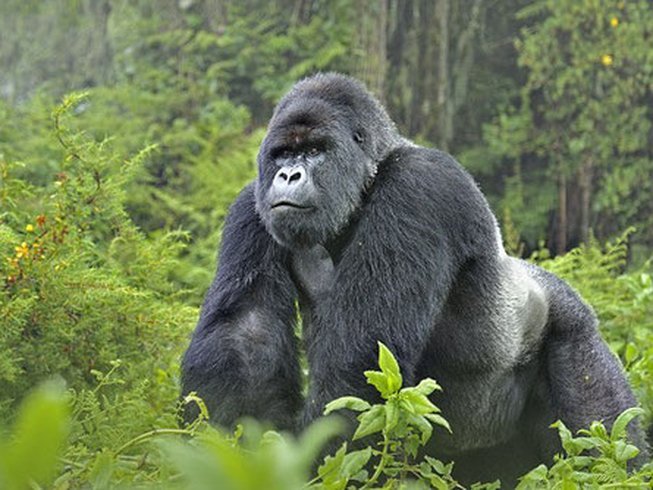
[{"x": 584, "y": 118}]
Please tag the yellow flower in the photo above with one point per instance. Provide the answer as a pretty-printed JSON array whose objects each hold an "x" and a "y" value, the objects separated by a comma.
[
  {"x": 606, "y": 59},
  {"x": 29, "y": 228},
  {"x": 614, "y": 22},
  {"x": 22, "y": 251}
]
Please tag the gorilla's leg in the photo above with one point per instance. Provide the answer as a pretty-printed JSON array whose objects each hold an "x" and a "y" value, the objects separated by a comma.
[{"x": 585, "y": 380}]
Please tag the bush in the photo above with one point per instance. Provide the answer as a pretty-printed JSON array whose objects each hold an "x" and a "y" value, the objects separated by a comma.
[
  {"x": 201, "y": 457},
  {"x": 82, "y": 286}
]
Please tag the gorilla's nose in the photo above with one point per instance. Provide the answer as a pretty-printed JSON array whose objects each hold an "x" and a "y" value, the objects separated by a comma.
[{"x": 289, "y": 177}]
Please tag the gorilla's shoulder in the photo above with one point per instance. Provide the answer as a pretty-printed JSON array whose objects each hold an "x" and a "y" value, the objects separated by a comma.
[
  {"x": 243, "y": 226},
  {"x": 243, "y": 209},
  {"x": 417, "y": 168},
  {"x": 436, "y": 192}
]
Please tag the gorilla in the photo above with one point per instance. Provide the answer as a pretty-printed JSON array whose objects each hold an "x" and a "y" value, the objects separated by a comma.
[{"x": 379, "y": 239}]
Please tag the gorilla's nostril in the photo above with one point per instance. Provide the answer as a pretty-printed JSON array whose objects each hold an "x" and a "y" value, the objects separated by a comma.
[
  {"x": 294, "y": 177},
  {"x": 283, "y": 175}
]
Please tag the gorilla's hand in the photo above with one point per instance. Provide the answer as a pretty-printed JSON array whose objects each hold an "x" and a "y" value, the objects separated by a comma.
[{"x": 313, "y": 271}]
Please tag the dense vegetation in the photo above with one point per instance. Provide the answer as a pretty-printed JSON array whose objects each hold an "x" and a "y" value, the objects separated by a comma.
[{"x": 111, "y": 204}]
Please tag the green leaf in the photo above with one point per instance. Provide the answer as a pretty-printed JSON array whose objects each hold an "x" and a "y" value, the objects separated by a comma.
[
  {"x": 348, "y": 402},
  {"x": 406, "y": 406},
  {"x": 392, "y": 413},
  {"x": 420, "y": 403},
  {"x": 379, "y": 381},
  {"x": 329, "y": 471},
  {"x": 495, "y": 485},
  {"x": 39, "y": 435},
  {"x": 438, "y": 420},
  {"x": 625, "y": 452},
  {"x": 370, "y": 422},
  {"x": 355, "y": 461},
  {"x": 102, "y": 470},
  {"x": 565, "y": 436},
  {"x": 437, "y": 465},
  {"x": 411, "y": 444},
  {"x": 536, "y": 475},
  {"x": 438, "y": 482},
  {"x": 630, "y": 354},
  {"x": 390, "y": 368},
  {"x": 597, "y": 429},
  {"x": 427, "y": 386},
  {"x": 622, "y": 421},
  {"x": 315, "y": 437},
  {"x": 421, "y": 424}
]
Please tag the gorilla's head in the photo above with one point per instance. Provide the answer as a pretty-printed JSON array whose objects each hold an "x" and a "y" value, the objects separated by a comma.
[{"x": 324, "y": 142}]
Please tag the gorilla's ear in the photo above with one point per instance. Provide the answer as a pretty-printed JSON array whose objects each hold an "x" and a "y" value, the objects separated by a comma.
[{"x": 359, "y": 136}]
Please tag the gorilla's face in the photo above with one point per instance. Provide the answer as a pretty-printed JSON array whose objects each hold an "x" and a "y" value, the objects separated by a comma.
[{"x": 312, "y": 173}]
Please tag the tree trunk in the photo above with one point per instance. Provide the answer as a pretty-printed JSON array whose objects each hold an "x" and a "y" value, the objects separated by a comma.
[
  {"x": 99, "y": 55},
  {"x": 372, "y": 38},
  {"x": 443, "y": 74},
  {"x": 300, "y": 12},
  {"x": 561, "y": 232},
  {"x": 586, "y": 172},
  {"x": 216, "y": 14},
  {"x": 421, "y": 104},
  {"x": 462, "y": 62},
  {"x": 397, "y": 85}
]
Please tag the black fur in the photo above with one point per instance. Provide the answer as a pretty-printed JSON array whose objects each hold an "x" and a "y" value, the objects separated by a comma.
[{"x": 381, "y": 239}]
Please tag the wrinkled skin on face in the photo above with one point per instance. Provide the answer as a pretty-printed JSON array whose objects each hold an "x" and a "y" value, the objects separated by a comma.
[
  {"x": 315, "y": 163},
  {"x": 309, "y": 182}
]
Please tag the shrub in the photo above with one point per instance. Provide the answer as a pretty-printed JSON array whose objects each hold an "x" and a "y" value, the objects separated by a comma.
[{"x": 81, "y": 285}]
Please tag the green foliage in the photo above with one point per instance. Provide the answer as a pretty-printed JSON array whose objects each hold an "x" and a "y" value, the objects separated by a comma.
[
  {"x": 200, "y": 456},
  {"x": 405, "y": 422},
  {"x": 606, "y": 468},
  {"x": 187, "y": 80},
  {"x": 102, "y": 454},
  {"x": 584, "y": 115},
  {"x": 29, "y": 456},
  {"x": 103, "y": 257},
  {"x": 82, "y": 286}
]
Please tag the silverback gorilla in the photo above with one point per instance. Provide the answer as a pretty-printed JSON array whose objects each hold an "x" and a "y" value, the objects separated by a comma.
[{"x": 383, "y": 240}]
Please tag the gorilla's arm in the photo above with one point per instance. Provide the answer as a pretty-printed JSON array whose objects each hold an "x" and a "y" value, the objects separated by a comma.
[
  {"x": 242, "y": 359},
  {"x": 421, "y": 221}
]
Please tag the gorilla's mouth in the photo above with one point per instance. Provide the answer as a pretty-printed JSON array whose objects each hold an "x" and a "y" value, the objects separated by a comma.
[{"x": 289, "y": 205}]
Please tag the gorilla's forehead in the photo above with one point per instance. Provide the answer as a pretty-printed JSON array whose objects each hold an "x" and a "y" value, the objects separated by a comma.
[
  {"x": 305, "y": 115},
  {"x": 297, "y": 134},
  {"x": 294, "y": 135}
]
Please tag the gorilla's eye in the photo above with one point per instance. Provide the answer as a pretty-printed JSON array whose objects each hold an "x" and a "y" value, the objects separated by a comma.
[
  {"x": 313, "y": 152},
  {"x": 284, "y": 154}
]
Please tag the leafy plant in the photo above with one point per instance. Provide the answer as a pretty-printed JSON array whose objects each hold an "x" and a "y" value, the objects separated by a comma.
[
  {"x": 104, "y": 451},
  {"x": 29, "y": 457},
  {"x": 405, "y": 422},
  {"x": 595, "y": 459},
  {"x": 80, "y": 285}
]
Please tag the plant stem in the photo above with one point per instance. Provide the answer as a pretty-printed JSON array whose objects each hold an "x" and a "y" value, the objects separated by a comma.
[
  {"x": 381, "y": 466},
  {"x": 147, "y": 435}
]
